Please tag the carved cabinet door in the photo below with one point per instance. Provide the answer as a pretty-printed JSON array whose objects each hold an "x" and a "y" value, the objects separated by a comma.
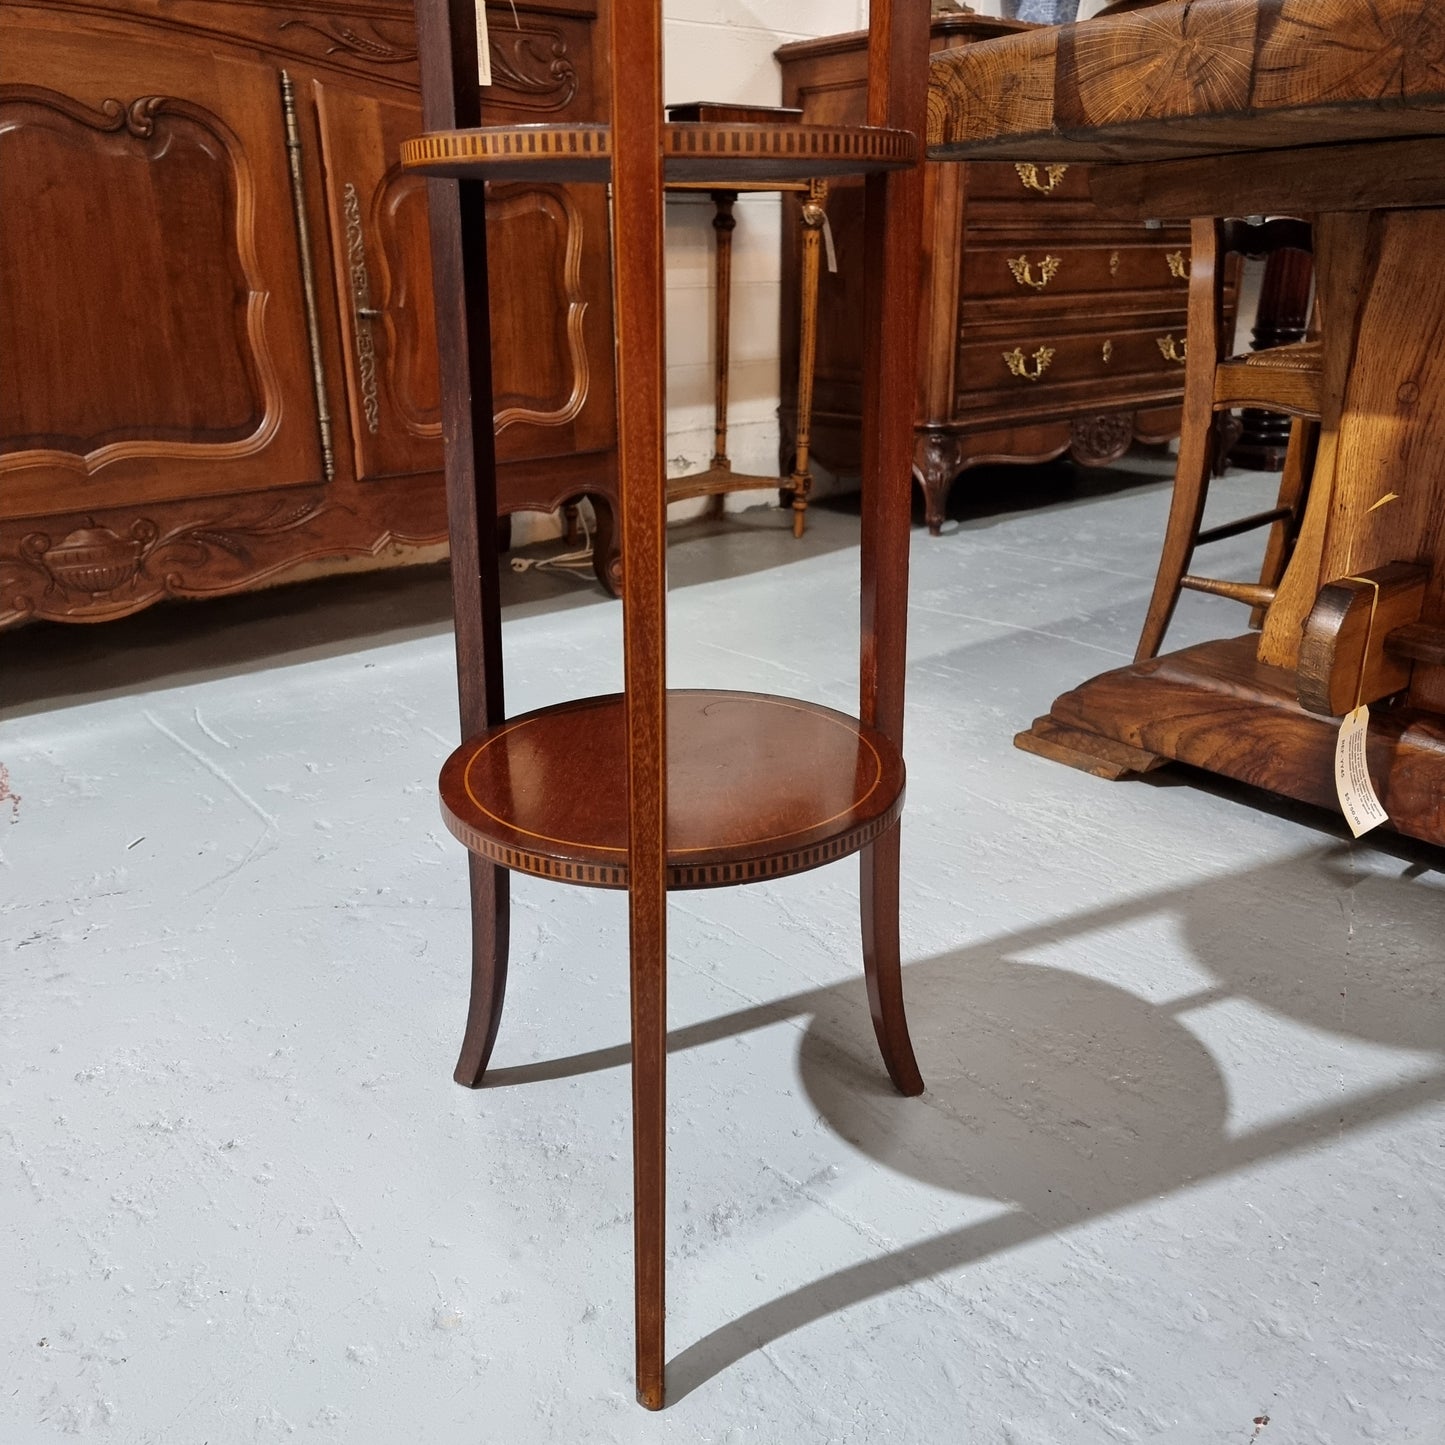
[
  {"x": 153, "y": 333},
  {"x": 548, "y": 256}
]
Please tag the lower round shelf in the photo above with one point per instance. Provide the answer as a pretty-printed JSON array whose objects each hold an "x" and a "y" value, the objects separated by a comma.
[{"x": 757, "y": 787}]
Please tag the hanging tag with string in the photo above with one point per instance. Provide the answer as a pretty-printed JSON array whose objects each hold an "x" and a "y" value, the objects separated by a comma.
[
  {"x": 484, "y": 46},
  {"x": 1358, "y": 800}
]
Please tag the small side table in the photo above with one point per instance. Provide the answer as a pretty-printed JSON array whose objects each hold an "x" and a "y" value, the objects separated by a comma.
[{"x": 719, "y": 478}]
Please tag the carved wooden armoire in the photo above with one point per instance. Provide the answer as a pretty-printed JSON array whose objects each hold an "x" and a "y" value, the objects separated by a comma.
[
  {"x": 1046, "y": 327},
  {"x": 217, "y": 342}
]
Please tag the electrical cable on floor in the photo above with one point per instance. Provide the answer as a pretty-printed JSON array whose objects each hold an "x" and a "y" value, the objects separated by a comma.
[{"x": 569, "y": 563}]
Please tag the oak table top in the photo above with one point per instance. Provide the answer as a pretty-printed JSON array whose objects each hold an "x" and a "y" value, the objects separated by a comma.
[{"x": 1329, "y": 108}]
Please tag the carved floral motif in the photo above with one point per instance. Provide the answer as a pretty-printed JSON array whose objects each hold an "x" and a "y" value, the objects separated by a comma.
[
  {"x": 528, "y": 60},
  {"x": 360, "y": 38},
  {"x": 95, "y": 568},
  {"x": 1097, "y": 440}
]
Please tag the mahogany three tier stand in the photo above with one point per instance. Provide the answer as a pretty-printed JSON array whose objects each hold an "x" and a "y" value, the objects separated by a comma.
[{"x": 687, "y": 789}]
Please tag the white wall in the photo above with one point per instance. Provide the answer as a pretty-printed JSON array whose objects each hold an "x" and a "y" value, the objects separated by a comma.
[{"x": 723, "y": 50}]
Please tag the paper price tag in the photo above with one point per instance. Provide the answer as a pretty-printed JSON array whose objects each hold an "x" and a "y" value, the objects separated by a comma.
[
  {"x": 1361, "y": 807},
  {"x": 484, "y": 49}
]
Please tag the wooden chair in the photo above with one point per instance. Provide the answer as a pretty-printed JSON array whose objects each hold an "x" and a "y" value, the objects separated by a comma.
[
  {"x": 1280, "y": 379},
  {"x": 685, "y": 789}
]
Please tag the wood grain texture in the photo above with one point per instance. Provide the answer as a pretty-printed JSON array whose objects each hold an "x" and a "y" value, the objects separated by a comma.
[
  {"x": 457, "y": 219},
  {"x": 635, "y": 40},
  {"x": 759, "y": 787},
  {"x": 1217, "y": 707},
  {"x": 695, "y": 152},
  {"x": 190, "y": 413},
  {"x": 1016, "y": 257},
  {"x": 1202, "y": 76},
  {"x": 1344, "y": 655}
]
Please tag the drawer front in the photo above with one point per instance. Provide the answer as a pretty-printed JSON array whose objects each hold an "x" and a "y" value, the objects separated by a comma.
[
  {"x": 1029, "y": 366},
  {"x": 1030, "y": 265},
  {"x": 1026, "y": 183}
]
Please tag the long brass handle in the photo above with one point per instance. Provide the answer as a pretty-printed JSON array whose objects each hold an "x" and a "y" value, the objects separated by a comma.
[
  {"x": 1172, "y": 350},
  {"x": 1178, "y": 265},
  {"x": 1018, "y": 363},
  {"x": 308, "y": 274},
  {"x": 363, "y": 312},
  {"x": 1029, "y": 175},
  {"x": 1023, "y": 271}
]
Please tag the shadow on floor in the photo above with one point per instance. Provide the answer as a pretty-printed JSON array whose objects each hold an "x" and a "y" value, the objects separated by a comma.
[{"x": 1064, "y": 1097}]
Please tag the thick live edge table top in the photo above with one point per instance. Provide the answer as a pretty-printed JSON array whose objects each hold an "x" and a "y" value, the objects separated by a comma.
[{"x": 1195, "y": 77}]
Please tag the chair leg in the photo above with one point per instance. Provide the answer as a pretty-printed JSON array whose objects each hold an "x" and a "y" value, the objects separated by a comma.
[
  {"x": 1186, "y": 509},
  {"x": 882, "y": 965},
  {"x": 491, "y": 919},
  {"x": 1294, "y": 481}
]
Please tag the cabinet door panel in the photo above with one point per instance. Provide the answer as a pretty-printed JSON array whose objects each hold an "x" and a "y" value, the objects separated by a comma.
[
  {"x": 152, "y": 326},
  {"x": 548, "y": 262}
]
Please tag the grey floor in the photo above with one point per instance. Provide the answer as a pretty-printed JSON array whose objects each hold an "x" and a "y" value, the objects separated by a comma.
[{"x": 1178, "y": 1175}]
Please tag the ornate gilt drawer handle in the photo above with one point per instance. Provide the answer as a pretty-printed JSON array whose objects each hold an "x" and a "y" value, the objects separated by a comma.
[
  {"x": 1029, "y": 175},
  {"x": 362, "y": 309},
  {"x": 1023, "y": 270},
  {"x": 1018, "y": 363},
  {"x": 1178, "y": 265},
  {"x": 1172, "y": 350}
]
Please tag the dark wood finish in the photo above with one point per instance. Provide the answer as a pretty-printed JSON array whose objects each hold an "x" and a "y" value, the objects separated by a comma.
[
  {"x": 1047, "y": 328},
  {"x": 758, "y": 787},
  {"x": 766, "y": 813},
  {"x": 1282, "y": 318},
  {"x": 1383, "y": 175},
  {"x": 1289, "y": 77},
  {"x": 1344, "y": 656},
  {"x": 705, "y": 152},
  {"x": 244, "y": 387}
]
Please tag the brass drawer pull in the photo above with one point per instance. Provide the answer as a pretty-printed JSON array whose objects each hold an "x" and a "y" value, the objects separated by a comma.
[
  {"x": 1178, "y": 265},
  {"x": 1172, "y": 350},
  {"x": 1107, "y": 352},
  {"x": 1018, "y": 363},
  {"x": 1023, "y": 271},
  {"x": 1029, "y": 175}
]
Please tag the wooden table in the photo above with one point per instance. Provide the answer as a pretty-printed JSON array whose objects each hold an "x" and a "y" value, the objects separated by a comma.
[{"x": 1328, "y": 107}]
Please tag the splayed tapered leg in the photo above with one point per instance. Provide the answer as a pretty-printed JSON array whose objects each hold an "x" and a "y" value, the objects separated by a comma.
[
  {"x": 882, "y": 966},
  {"x": 491, "y": 920}
]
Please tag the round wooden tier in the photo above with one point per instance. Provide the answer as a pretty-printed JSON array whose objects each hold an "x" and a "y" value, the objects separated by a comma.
[
  {"x": 696, "y": 151},
  {"x": 758, "y": 787}
]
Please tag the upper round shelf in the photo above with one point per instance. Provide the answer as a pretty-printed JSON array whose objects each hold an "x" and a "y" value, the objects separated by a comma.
[
  {"x": 696, "y": 151},
  {"x": 757, "y": 787}
]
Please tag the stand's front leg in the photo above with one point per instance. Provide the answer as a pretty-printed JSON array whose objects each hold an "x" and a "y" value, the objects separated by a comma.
[
  {"x": 491, "y": 928},
  {"x": 882, "y": 964}
]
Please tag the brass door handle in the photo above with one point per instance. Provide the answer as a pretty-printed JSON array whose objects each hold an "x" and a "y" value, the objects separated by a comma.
[
  {"x": 1023, "y": 271},
  {"x": 1018, "y": 363},
  {"x": 1029, "y": 175},
  {"x": 1172, "y": 350}
]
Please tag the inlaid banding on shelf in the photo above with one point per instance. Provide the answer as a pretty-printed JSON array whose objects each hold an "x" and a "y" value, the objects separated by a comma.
[
  {"x": 759, "y": 787},
  {"x": 680, "y": 876},
  {"x": 689, "y": 150}
]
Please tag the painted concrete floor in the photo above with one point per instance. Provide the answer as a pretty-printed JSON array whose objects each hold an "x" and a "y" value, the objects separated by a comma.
[{"x": 1178, "y": 1175}]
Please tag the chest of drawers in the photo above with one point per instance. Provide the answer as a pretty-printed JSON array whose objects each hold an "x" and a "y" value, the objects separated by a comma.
[{"x": 1046, "y": 327}]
